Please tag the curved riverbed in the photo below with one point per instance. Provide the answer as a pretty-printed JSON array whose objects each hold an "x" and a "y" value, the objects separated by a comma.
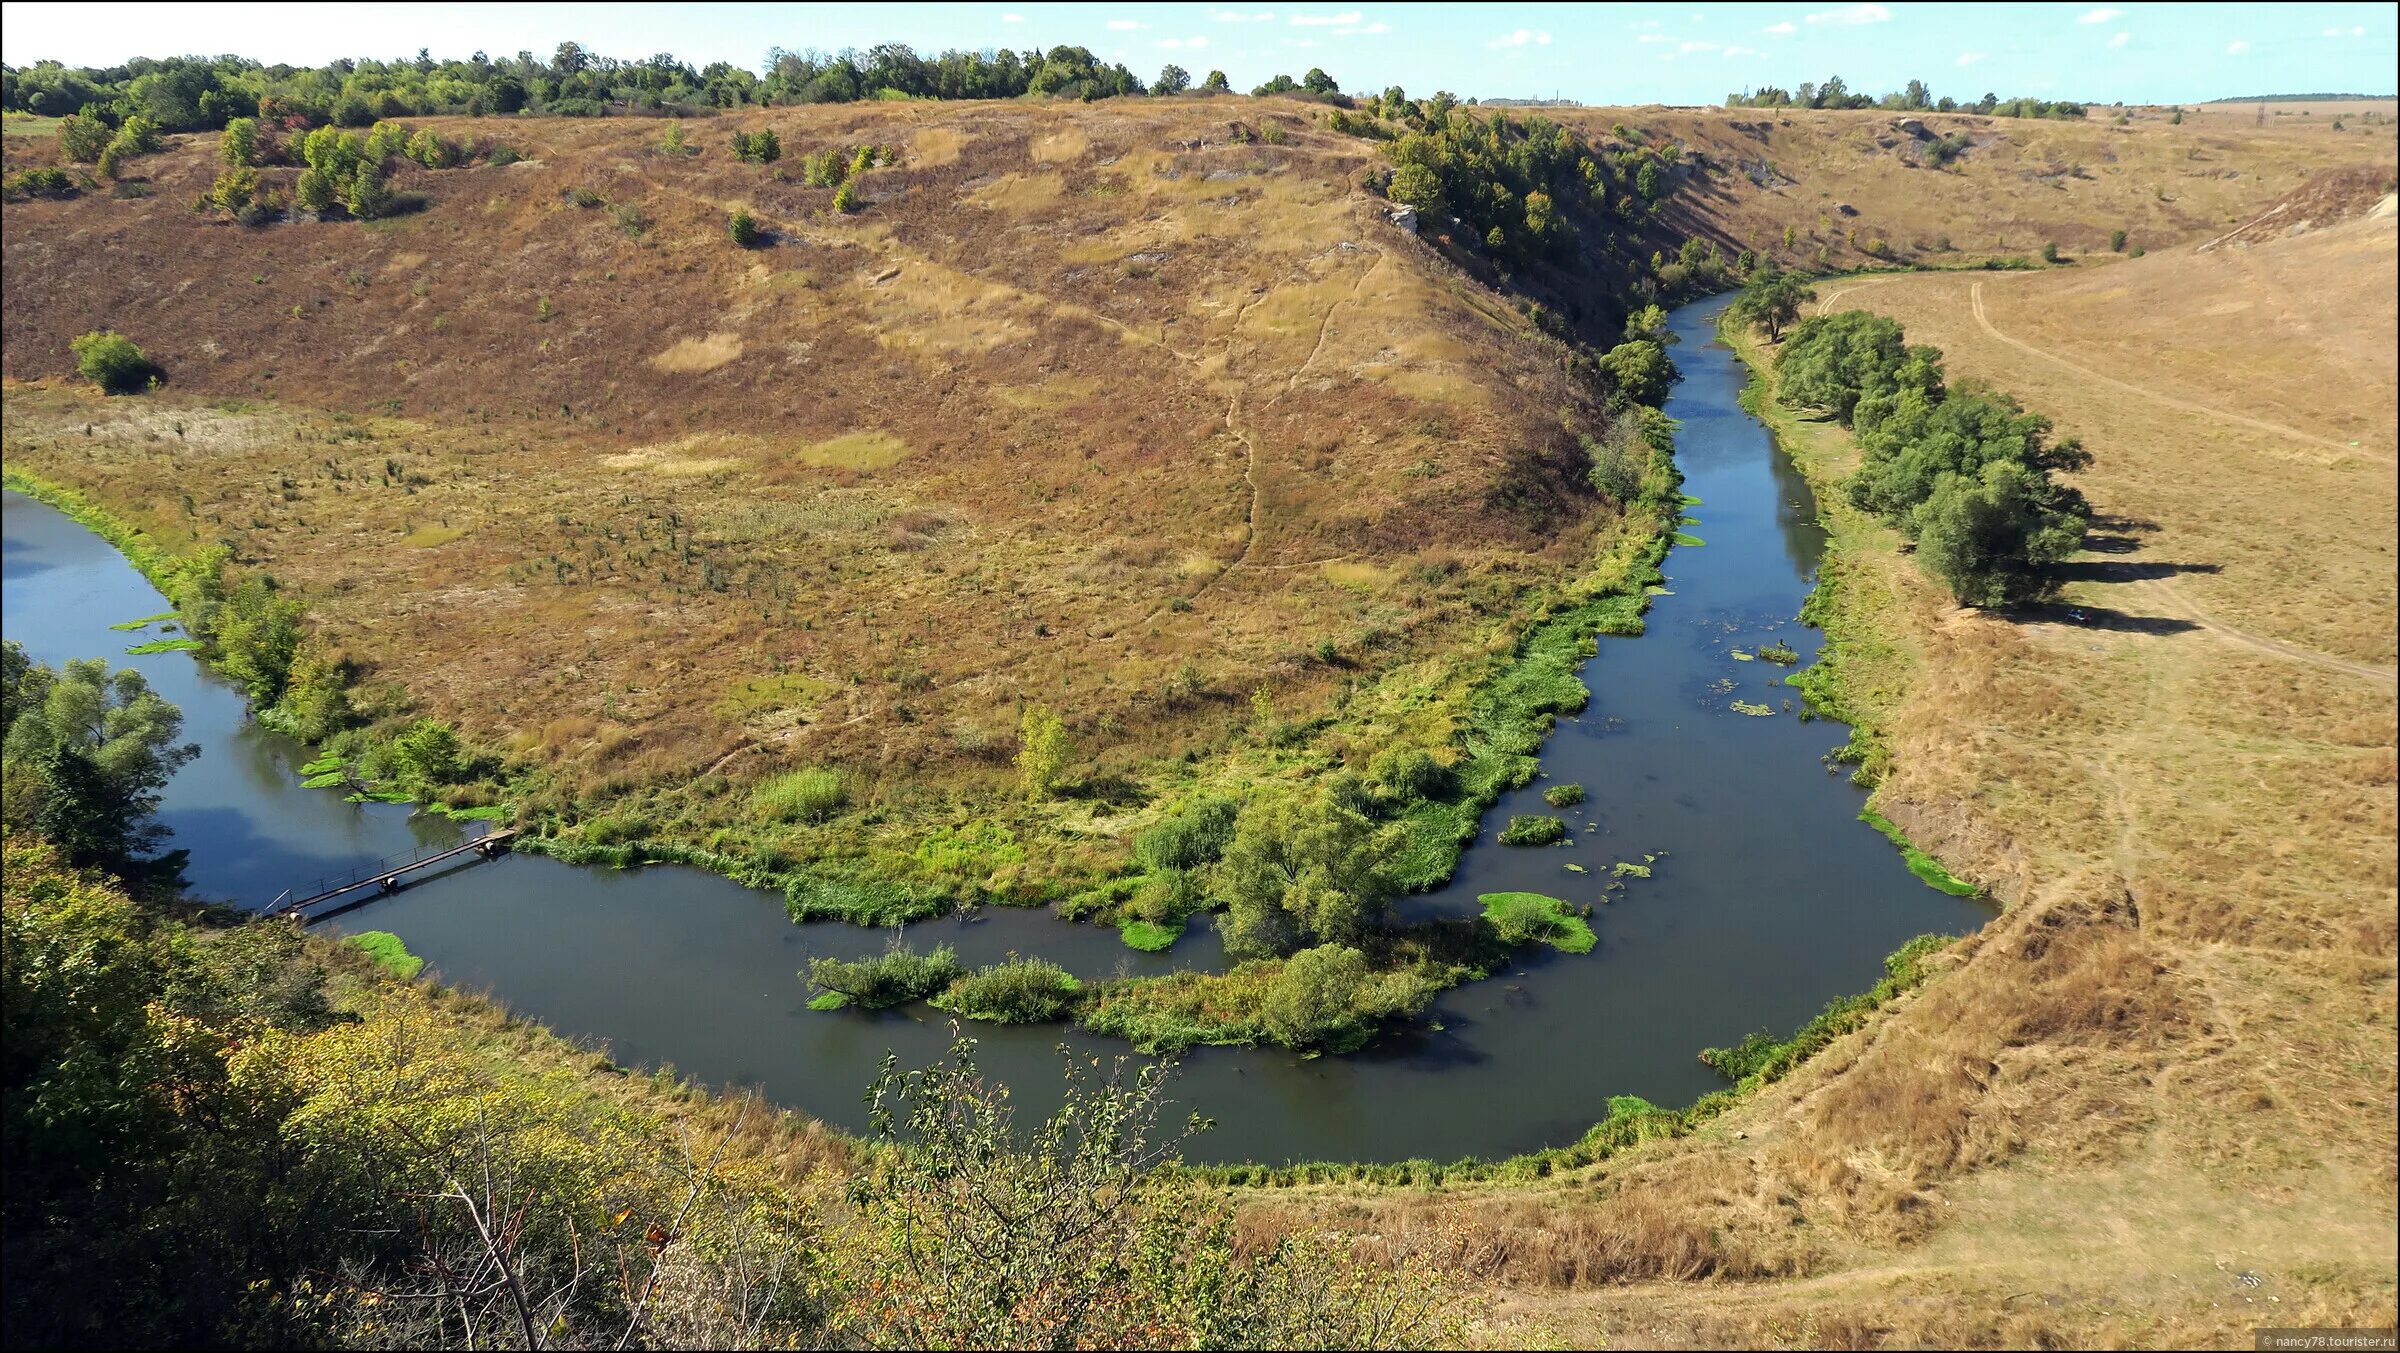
[{"x": 1768, "y": 897}]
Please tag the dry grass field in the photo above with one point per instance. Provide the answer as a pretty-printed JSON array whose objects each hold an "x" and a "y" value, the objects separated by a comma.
[
  {"x": 2153, "y": 1103},
  {"x": 1132, "y": 409}
]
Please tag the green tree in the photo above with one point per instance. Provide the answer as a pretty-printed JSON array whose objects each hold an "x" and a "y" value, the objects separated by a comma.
[
  {"x": 313, "y": 191},
  {"x": 1318, "y": 82},
  {"x": 430, "y": 150},
  {"x": 1301, "y": 870},
  {"x": 1991, "y": 536},
  {"x": 87, "y": 752},
  {"x": 1216, "y": 83},
  {"x": 1311, "y": 1002},
  {"x": 239, "y": 146},
  {"x": 1648, "y": 182},
  {"x": 234, "y": 189},
  {"x": 316, "y": 697},
  {"x": 428, "y": 754},
  {"x": 367, "y": 195},
  {"x": 1172, "y": 80},
  {"x": 741, "y": 227},
  {"x": 845, "y": 198},
  {"x": 1415, "y": 185},
  {"x": 1771, "y": 300},
  {"x": 1640, "y": 372},
  {"x": 1831, "y": 362},
  {"x": 1042, "y": 750},
  {"x": 2116, "y": 241},
  {"x": 81, "y": 139}
]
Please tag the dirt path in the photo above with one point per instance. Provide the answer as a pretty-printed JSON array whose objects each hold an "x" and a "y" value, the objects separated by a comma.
[
  {"x": 2176, "y": 602},
  {"x": 1975, "y": 296}
]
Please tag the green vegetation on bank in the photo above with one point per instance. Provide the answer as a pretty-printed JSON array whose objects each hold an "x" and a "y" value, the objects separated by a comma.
[
  {"x": 1922, "y": 865},
  {"x": 239, "y": 1134},
  {"x": 1964, "y": 472},
  {"x": 389, "y": 952},
  {"x": 1631, "y": 1120},
  {"x": 1915, "y": 97}
]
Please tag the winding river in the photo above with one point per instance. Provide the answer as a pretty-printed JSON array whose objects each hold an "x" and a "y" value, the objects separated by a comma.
[{"x": 1768, "y": 897}]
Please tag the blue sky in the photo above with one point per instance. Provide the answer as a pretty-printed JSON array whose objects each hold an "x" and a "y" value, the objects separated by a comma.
[{"x": 1614, "y": 53}]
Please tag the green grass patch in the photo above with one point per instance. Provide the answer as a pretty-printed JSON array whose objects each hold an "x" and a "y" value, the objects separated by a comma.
[
  {"x": 1533, "y": 918},
  {"x": 389, "y": 953},
  {"x": 1533, "y": 829},
  {"x": 1149, "y": 936},
  {"x": 1687, "y": 539},
  {"x": 166, "y": 646},
  {"x": 1755, "y": 711},
  {"x": 810, "y": 794},
  {"x": 324, "y": 780},
  {"x": 1780, "y": 653},
  {"x": 1563, "y": 796},
  {"x": 1922, "y": 865},
  {"x": 330, "y": 761},
  {"x": 144, "y": 623}
]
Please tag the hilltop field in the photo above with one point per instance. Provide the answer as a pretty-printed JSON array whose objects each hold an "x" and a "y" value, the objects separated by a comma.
[{"x": 1147, "y": 413}]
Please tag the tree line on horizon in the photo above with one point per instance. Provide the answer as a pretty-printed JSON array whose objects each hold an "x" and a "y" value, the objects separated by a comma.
[
  {"x": 1915, "y": 97},
  {"x": 204, "y": 93}
]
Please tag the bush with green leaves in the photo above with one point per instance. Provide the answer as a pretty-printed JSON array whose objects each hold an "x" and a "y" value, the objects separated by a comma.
[
  {"x": 894, "y": 977},
  {"x": 1301, "y": 870},
  {"x": 115, "y": 363},
  {"x": 1563, "y": 796},
  {"x": 742, "y": 228},
  {"x": 87, "y": 752},
  {"x": 81, "y": 139},
  {"x": 759, "y": 147},
  {"x": 1020, "y": 991},
  {"x": 1195, "y": 836},
  {"x": 40, "y": 181}
]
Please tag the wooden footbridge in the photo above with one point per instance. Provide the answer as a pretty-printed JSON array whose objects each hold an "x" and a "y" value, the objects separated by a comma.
[{"x": 387, "y": 875}]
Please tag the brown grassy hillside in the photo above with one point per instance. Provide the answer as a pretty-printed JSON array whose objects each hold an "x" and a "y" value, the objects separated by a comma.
[
  {"x": 2152, "y": 1105},
  {"x": 1842, "y": 181},
  {"x": 1082, "y": 397}
]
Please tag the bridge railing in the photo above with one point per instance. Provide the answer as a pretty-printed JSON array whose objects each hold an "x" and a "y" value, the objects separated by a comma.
[{"x": 392, "y": 863}]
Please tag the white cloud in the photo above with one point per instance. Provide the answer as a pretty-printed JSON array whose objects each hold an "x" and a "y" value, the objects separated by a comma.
[
  {"x": 2120, "y": 39},
  {"x": 1969, "y": 58},
  {"x": 2353, "y": 31},
  {"x": 1784, "y": 29},
  {"x": 2100, "y": 16},
  {"x": 1524, "y": 37},
  {"x": 2237, "y": 47},
  {"x": 1012, "y": 18},
  {"x": 1379, "y": 26},
  {"x": 1347, "y": 19},
  {"x": 1182, "y": 44},
  {"x": 1646, "y": 23},
  {"x": 1690, "y": 47},
  {"x": 1741, "y": 51},
  {"x": 1124, "y": 25},
  {"x": 1852, "y": 14},
  {"x": 1654, "y": 37}
]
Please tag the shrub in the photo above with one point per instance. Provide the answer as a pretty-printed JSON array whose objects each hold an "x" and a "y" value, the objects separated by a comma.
[
  {"x": 111, "y": 361},
  {"x": 43, "y": 182},
  {"x": 2049, "y": 252},
  {"x": 2116, "y": 241},
  {"x": 1193, "y": 837},
  {"x": 845, "y": 198},
  {"x": 1563, "y": 796},
  {"x": 234, "y": 189},
  {"x": 896, "y": 976},
  {"x": 742, "y": 228},
  {"x": 81, "y": 139},
  {"x": 313, "y": 191},
  {"x": 1020, "y": 991},
  {"x": 810, "y": 794},
  {"x": 1402, "y": 774},
  {"x": 1310, "y": 1003},
  {"x": 1535, "y": 829}
]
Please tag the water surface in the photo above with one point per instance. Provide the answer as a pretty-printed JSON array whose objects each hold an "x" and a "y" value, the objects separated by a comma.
[{"x": 1768, "y": 897}]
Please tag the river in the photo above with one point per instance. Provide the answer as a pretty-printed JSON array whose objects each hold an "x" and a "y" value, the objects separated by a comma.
[{"x": 1768, "y": 897}]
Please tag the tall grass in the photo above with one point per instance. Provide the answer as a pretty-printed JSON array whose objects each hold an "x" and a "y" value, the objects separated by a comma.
[{"x": 810, "y": 794}]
